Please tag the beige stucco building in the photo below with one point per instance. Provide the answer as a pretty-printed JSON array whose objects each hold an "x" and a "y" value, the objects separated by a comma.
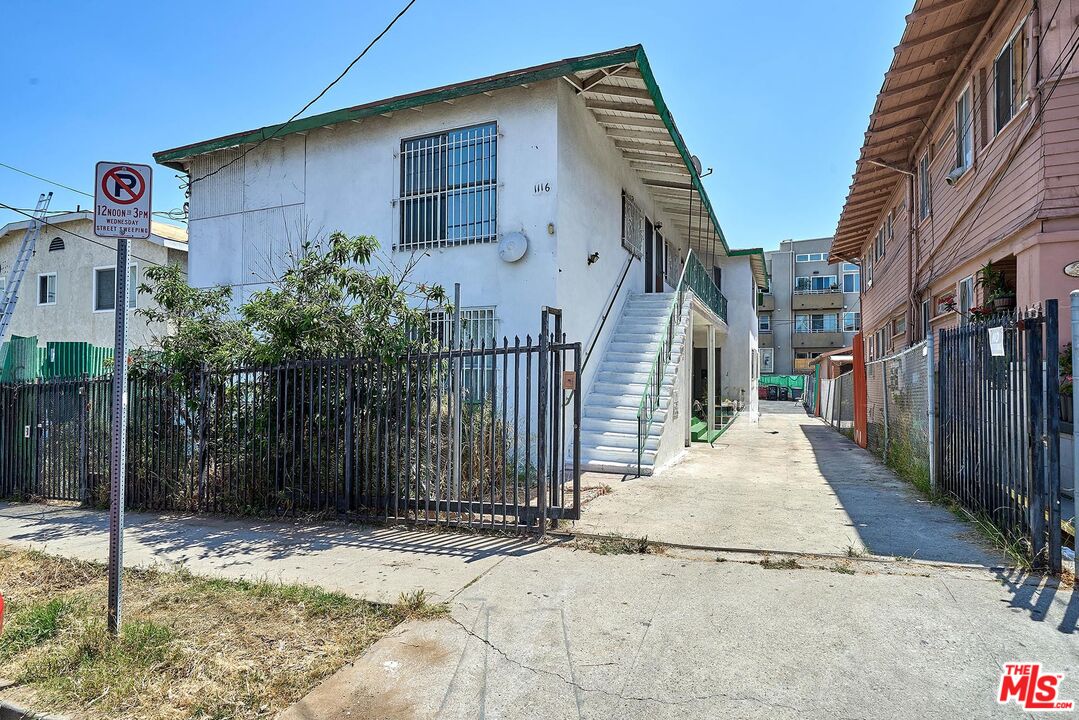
[{"x": 67, "y": 291}]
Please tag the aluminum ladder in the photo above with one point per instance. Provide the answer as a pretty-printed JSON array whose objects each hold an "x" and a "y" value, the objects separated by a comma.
[{"x": 26, "y": 251}]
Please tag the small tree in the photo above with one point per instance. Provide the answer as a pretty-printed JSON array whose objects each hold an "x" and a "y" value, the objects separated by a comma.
[
  {"x": 329, "y": 301},
  {"x": 197, "y": 325}
]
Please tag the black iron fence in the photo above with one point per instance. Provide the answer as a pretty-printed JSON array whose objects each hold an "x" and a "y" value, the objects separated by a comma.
[
  {"x": 999, "y": 425},
  {"x": 411, "y": 438}
]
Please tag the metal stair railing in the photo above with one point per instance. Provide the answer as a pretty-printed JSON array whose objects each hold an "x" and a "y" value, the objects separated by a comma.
[{"x": 694, "y": 277}]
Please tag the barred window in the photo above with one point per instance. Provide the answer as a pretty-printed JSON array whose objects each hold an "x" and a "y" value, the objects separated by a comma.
[
  {"x": 449, "y": 188},
  {"x": 479, "y": 327},
  {"x": 632, "y": 226}
]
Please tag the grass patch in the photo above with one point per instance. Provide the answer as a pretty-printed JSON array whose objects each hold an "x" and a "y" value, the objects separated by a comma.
[
  {"x": 784, "y": 564},
  {"x": 616, "y": 545},
  {"x": 843, "y": 569},
  {"x": 190, "y": 647}
]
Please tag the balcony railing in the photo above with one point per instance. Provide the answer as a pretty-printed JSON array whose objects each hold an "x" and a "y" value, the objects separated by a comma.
[
  {"x": 809, "y": 291},
  {"x": 696, "y": 278},
  {"x": 699, "y": 280}
]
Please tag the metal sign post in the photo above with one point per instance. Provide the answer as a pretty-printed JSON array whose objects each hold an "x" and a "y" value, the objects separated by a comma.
[
  {"x": 118, "y": 464},
  {"x": 122, "y": 194}
]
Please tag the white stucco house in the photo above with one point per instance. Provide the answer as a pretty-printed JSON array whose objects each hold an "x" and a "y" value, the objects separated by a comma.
[
  {"x": 67, "y": 293},
  {"x": 578, "y": 163}
]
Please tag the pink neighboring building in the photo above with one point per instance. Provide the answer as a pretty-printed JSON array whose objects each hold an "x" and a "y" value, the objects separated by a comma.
[{"x": 971, "y": 157}]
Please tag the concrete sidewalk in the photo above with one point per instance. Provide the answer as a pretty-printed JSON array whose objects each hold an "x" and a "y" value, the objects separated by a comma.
[
  {"x": 565, "y": 634},
  {"x": 787, "y": 483},
  {"x": 377, "y": 563}
]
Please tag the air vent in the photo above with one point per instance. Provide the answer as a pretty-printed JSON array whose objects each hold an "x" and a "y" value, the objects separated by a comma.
[{"x": 56, "y": 244}]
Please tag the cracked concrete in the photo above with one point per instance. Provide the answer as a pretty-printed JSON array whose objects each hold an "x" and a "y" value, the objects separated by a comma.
[
  {"x": 788, "y": 483},
  {"x": 571, "y": 634}
]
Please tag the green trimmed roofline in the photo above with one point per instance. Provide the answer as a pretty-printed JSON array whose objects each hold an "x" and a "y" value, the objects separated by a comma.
[{"x": 633, "y": 54}]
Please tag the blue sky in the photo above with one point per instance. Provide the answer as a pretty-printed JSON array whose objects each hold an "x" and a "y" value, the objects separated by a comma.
[{"x": 775, "y": 96}]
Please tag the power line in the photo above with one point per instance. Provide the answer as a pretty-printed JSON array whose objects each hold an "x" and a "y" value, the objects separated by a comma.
[
  {"x": 46, "y": 223},
  {"x": 51, "y": 182},
  {"x": 171, "y": 214},
  {"x": 312, "y": 101},
  {"x": 1070, "y": 50}
]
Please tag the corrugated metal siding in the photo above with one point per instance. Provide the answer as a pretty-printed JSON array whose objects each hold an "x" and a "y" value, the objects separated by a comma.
[
  {"x": 72, "y": 359},
  {"x": 22, "y": 360}
]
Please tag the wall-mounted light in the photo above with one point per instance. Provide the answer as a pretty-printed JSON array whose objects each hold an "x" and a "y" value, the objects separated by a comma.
[{"x": 593, "y": 258}]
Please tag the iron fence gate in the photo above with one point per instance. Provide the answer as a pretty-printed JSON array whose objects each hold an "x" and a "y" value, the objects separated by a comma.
[
  {"x": 999, "y": 425},
  {"x": 479, "y": 436}
]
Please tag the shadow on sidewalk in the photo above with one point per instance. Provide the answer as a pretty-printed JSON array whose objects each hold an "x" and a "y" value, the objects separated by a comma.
[
  {"x": 205, "y": 537},
  {"x": 888, "y": 514}
]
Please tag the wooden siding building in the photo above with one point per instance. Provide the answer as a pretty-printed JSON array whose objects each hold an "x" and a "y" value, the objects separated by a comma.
[{"x": 971, "y": 157}]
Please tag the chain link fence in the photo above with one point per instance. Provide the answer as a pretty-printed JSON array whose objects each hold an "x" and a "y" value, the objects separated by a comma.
[
  {"x": 837, "y": 403},
  {"x": 897, "y": 399}
]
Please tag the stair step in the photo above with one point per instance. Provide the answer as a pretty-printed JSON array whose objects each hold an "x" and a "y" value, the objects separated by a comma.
[
  {"x": 624, "y": 413},
  {"x": 626, "y": 455},
  {"x": 616, "y": 441},
  {"x": 616, "y": 467}
]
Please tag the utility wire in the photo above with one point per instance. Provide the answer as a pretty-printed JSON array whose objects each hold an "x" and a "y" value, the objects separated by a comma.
[
  {"x": 169, "y": 214},
  {"x": 318, "y": 97},
  {"x": 45, "y": 223},
  {"x": 1070, "y": 51},
  {"x": 51, "y": 182}
]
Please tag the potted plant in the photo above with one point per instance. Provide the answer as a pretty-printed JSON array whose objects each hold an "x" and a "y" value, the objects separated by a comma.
[{"x": 997, "y": 292}]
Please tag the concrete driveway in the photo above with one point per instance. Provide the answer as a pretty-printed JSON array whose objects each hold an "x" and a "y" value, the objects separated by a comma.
[
  {"x": 564, "y": 634},
  {"x": 788, "y": 483}
]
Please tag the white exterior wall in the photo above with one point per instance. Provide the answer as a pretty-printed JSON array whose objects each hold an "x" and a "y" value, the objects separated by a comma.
[
  {"x": 244, "y": 218},
  {"x": 72, "y": 318},
  {"x": 739, "y": 373},
  {"x": 591, "y": 177},
  {"x": 346, "y": 179}
]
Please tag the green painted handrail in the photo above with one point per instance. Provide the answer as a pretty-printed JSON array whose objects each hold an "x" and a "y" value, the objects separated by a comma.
[{"x": 694, "y": 277}]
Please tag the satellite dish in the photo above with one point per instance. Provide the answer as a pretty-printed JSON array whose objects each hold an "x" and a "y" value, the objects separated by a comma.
[
  {"x": 697, "y": 164},
  {"x": 512, "y": 247}
]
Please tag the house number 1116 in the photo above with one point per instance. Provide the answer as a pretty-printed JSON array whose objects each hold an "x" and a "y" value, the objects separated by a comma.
[{"x": 541, "y": 187}]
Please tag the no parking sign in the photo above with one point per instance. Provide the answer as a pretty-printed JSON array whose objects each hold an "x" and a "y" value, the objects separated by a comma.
[{"x": 122, "y": 200}]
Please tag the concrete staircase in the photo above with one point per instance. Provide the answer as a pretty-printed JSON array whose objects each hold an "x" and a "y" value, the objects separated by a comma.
[{"x": 609, "y": 416}]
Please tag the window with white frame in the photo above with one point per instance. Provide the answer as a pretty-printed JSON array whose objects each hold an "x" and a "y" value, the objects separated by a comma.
[
  {"x": 899, "y": 325},
  {"x": 964, "y": 129},
  {"x": 889, "y": 224},
  {"x": 879, "y": 242},
  {"x": 851, "y": 278},
  {"x": 867, "y": 262},
  {"x": 767, "y": 361},
  {"x": 46, "y": 289},
  {"x": 927, "y": 314},
  {"x": 449, "y": 187},
  {"x": 815, "y": 283},
  {"x": 764, "y": 322},
  {"x": 852, "y": 321},
  {"x": 816, "y": 322},
  {"x": 1009, "y": 81},
  {"x": 633, "y": 221},
  {"x": 105, "y": 288},
  {"x": 811, "y": 257},
  {"x": 479, "y": 329},
  {"x": 925, "y": 188}
]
